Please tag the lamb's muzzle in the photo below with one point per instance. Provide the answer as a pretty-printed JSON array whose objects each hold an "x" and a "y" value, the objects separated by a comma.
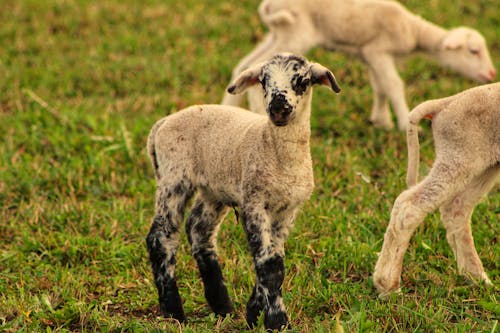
[{"x": 279, "y": 110}]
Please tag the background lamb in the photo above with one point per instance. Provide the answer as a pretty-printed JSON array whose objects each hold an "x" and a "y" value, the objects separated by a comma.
[
  {"x": 377, "y": 32},
  {"x": 230, "y": 157},
  {"x": 466, "y": 130}
]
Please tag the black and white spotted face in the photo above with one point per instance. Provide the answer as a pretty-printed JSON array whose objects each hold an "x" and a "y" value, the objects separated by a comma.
[{"x": 286, "y": 80}]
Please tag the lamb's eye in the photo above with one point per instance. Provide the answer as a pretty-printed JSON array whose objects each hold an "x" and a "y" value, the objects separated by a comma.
[
  {"x": 263, "y": 81},
  {"x": 305, "y": 83},
  {"x": 474, "y": 52},
  {"x": 301, "y": 85}
]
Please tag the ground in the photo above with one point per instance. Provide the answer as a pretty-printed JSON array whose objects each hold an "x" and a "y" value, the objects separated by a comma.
[{"x": 81, "y": 84}]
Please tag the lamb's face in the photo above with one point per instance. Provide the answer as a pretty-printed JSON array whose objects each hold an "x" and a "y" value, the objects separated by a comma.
[
  {"x": 286, "y": 81},
  {"x": 465, "y": 51}
]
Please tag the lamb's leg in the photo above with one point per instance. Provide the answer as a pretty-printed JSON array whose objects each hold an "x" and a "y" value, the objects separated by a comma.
[
  {"x": 380, "y": 116},
  {"x": 456, "y": 216},
  {"x": 163, "y": 241},
  {"x": 410, "y": 209},
  {"x": 389, "y": 82},
  {"x": 270, "y": 269},
  {"x": 202, "y": 226},
  {"x": 405, "y": 218}
]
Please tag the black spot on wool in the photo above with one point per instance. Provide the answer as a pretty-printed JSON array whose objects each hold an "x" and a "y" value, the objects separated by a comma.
[
  {"x": 300, "y": 84},
  {"x": 213, "y": 281},
  {"x": 271, "y": 273},
  {"x": 179, "y": 188}
]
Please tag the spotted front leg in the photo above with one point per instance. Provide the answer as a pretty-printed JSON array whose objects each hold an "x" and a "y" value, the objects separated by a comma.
[{"x": 270, "y": 270}]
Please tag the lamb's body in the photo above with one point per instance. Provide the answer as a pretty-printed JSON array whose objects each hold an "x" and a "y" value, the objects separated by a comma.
[
  {"x": 377, "y": 31},
  {"x": 237, "y": 138},
  {"x": 466, "y": 130},
  {"x": 228, "y": 157}
]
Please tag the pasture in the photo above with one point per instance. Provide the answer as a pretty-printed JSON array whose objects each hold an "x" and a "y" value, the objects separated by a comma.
[{"x": 81, "y": 84}]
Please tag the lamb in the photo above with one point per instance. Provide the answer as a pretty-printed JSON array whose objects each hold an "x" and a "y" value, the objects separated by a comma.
[
  {"x": 377, "y": 31},
  {"x": 227, "y": 157},
  {"x": 466, "y": 130}
]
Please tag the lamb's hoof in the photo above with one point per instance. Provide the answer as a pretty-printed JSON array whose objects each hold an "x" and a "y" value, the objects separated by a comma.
[
  {"x": 382, "y": 124},
  {"x": 219, "y": 300},
  {"x": 252, "y": 315},
  {"x": 276, "y": 321},
  {"x": 223, "y": 309},
  {"x": 481, "y": 278},
  {"x": 386, "y": 294},
  {"x": 173, "y": 310},
  {"x": 179, "y": 316},
  {"x": 488, "y": 282},
  {"x": 386, "y": 287}
]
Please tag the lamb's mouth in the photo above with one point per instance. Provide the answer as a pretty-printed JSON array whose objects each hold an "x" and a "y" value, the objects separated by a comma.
[{"x": 280, "y": 119}]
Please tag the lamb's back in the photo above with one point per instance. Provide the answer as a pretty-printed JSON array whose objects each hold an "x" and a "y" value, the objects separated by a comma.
[
  {"x": 470, "y": 125},
  {"x": 209, "y": 143}
]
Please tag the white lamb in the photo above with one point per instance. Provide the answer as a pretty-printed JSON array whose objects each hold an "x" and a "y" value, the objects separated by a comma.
[
  {"x": 229, "y": 157},
  {"x": 466, "y": 131},
  {"x": 377, "y": 31}
]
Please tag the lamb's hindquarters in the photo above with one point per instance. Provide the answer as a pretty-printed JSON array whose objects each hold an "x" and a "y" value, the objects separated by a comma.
[{"x": 456, "y": 216}]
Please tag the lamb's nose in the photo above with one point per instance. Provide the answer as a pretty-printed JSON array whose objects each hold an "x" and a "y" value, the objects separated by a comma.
[
  {"x": 492, "y": 74},
  {"x": 279, "y": 104}
]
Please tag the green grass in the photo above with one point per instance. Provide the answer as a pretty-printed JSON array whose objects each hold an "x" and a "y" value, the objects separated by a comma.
[{"x": 82, "y": 82}]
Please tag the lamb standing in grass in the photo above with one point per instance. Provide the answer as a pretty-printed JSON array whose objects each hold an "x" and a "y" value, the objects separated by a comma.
[
  {"x": 228, "y": 157},
  {"x": 466, "y": 130},
  {"x": 377, "y": 31}
]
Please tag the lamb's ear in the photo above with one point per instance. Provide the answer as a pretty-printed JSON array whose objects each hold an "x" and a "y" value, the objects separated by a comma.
[
  {"x": 246, "y": 79},
  {"x": 280, "y": 18},
  {"x": 275, "y": 17},
  {"x": 322, "y": 75},
  {"x": 455, "y": 39}
]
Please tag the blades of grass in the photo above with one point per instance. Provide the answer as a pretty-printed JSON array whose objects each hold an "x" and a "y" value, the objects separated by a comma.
[{"x": 31, "y": 94}]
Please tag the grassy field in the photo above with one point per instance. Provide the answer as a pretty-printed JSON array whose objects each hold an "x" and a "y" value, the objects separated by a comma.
[{"x": 82, "y": 82}]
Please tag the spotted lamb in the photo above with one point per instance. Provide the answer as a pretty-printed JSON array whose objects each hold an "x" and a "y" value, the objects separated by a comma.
[{"x": 226, "y": 157}]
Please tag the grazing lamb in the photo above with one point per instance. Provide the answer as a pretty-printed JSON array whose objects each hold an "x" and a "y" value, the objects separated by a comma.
[
  {"x": 466, "y": 130},
  {"x": 230, "y": 157},
  {"x": 377, "y": 31}
]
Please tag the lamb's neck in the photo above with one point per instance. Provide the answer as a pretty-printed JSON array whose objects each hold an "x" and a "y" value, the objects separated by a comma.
[
  {"x": 291, "y": 142},
  {"x": 429, "y": 35}
]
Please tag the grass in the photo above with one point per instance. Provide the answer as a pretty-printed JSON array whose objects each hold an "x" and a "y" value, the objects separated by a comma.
[{"x": 81, "y": 84}]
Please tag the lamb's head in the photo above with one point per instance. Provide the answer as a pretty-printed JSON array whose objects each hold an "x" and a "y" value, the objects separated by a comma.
[
  {"x": 286, "y": 80},
  {"x": 465, "y": 51}
]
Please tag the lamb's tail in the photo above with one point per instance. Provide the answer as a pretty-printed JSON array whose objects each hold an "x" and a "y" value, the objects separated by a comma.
[
  {"x": 152, "y": 147},
  {"x": 425, "y": 110}
]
